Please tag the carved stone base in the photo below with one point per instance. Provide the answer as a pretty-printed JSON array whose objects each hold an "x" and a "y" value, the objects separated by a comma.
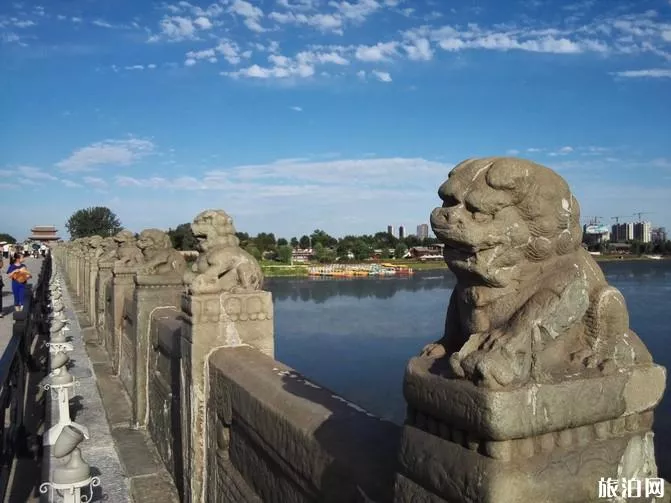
[{"x": 542, "y": 442}]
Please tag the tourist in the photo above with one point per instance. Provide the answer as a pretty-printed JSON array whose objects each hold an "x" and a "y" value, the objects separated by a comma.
[
  {"x": 5, "y": 251},
  {"x": 19, "y": 274}
]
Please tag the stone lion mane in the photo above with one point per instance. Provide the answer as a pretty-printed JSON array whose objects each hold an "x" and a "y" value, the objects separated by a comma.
[
  {"x": 530, "y": 303},
  {"x": 159, "y": 255},
  {"x": 222, "y": 266}
]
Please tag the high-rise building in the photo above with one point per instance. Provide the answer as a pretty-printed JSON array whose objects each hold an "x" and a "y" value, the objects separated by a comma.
[
  {"x": 422, "y": 231},
  {"x": 643, "y": 232},
  {"x": 622, "y": 232},
  {"x": 390, "y": 230},
  {"x": 659, "y": 235},
  {"x": 401, "y": 232}
]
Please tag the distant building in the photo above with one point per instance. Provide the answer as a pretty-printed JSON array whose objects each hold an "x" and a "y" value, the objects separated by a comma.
[
  {"x": 422, "y": 231},
  {"x": 622, "y": 232},
  {"x": 401, "y": 232},
  {"x": 643, "y": 232},
  {"x": 659, "y": 235},
  {"x": 45, "y": 233},
  {"x": 390, "y": 230},
  {"x": 433, "y": 252},
  {"x": 594, "y": 234},
  {"x": 302, "y": 255}
]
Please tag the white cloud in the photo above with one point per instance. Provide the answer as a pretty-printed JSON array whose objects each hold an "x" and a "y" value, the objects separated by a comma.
[
  {"x": 418, "y": 49},
  {"x": 203, "y": 23},
  {"x": 296, "y": 109},
  {"x": 653, "y": 73},
  {"x": 102, "y": 24},
  {"x": 382, "y": 76},
  {"x": 322, "y": 22},
  {"x": 70, "y": 184},
  {"x": 381, "y": 51},
  {"x": 108, "y": 152},
  {"x": 251, "y": 13},
  {"x": 357, "y": 11},
  {"x": 512, "y": 151},
  {"x": 134, "y": 67},
  {"x": 24, "y": 23},
  {"x": 34, "y": 173},
  {"x": 302, "y": 65},
  {"x": 95, "y": 182}
]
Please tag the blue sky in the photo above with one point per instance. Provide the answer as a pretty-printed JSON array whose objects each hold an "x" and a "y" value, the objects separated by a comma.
[{"x": 343, "y": 115}]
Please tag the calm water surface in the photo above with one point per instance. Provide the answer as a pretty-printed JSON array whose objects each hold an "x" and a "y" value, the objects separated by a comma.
[{"x": 356, "y": 336}]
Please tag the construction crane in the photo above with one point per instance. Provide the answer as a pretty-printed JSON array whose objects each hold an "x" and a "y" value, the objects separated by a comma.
[
  {"x": 592, "y": 220},
  {"x": 639, "y": 213},
  {"x": 617, "y": 218}
]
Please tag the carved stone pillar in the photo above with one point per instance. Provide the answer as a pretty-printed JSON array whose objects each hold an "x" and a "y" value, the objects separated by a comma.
[
  {"x": 123, "y": 285},
  {"x": 92, "y": 291},
  {"x": 541, "y": 442},
  {"x": 213, "y": 321},
  {"x": 103, "y": 279},
  {"x": 152, "y": 292}
]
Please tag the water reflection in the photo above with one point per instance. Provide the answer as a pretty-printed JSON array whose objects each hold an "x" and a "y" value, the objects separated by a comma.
[
  {"x": 355, "y": 336},
  {"x": 320, "y": 290}
]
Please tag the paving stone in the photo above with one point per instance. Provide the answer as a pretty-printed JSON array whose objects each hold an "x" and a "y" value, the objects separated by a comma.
[
  {"x": 135, "y": 452},
  {"x": 154, "y": 488}
]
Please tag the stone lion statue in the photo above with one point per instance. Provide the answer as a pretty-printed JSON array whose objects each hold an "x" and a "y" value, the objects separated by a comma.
[
  {"x": 222, "y": 266},
  {"x": 159, "y": 255},
  {"x": 530, "y": 303},
  {"x": 109, "y": 250},
  {"x": 95, "y": 246},
  {"x": 128, "y": 253}
]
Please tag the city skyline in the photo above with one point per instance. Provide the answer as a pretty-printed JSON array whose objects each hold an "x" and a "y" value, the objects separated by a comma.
[{"x": 293, "y": 115}]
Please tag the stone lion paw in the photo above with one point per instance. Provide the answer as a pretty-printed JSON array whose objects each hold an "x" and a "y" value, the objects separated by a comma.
[
  {"x": 204, "y": 284},
  {"x": 496, "y": 368},
  {"x": 434, "y": 350}
]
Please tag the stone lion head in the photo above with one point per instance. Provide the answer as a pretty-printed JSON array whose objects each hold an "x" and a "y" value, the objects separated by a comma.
[
  {"x": 499, "y": 213},
  {"x": 95, "y": 241},
  {"x": 214, "y": 228},
  {"x": 124, "y": 237},
  {"x": 153, "y": 239}
]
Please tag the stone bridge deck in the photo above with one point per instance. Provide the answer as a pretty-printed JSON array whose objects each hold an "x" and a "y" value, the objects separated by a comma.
[{"x": 126, "y": 458}]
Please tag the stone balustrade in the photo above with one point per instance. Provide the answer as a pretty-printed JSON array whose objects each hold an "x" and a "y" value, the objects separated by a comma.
[{"x": 194, "y": 347}]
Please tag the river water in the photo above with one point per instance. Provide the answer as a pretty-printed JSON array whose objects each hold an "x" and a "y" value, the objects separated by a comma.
[{"x": 355, "y": 336}]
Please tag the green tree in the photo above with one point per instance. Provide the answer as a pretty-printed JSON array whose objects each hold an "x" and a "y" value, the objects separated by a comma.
[
  {"x": 282, "y": 242},
  {"x": 294, "y": 242},
  {"x": 400, "y": 250},
  {"x": 7, "y": 238},
  {"x": 182, "y": 237},
  {"x": 253, "y": 251},
  {"x": 304, "y": 242},
  {"x": 243, "y": 237},
  {"x": 284, "y": 253},
  {"x": 265, "y": 241},
  {"x": 361, "y": 250},
  {"x": 91, "y": 221}
]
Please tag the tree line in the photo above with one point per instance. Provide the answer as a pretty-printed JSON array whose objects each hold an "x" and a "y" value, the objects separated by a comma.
[{"x": 326, "y": 248}]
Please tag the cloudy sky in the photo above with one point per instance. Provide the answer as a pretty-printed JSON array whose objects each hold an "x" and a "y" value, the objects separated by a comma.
[{"x": 344, "y": 115}]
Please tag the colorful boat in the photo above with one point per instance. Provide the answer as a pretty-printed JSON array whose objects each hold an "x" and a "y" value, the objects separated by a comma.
[{"x": 360, "y": 270}]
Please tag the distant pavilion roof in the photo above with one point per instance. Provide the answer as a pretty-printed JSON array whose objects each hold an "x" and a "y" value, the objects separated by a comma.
[{"x": 44, "y": 233}]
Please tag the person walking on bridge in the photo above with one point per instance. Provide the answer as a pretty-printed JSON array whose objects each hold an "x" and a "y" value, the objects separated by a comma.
[{"x": 19, "y": 274}]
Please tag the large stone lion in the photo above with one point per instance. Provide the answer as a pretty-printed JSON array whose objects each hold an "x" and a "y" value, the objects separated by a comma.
[
  {"x": 128, "y": 253},
  {"x": 159, "y": 255},
  {"x": 530, "y": 303},
  {"x": 222, "y": 266}
]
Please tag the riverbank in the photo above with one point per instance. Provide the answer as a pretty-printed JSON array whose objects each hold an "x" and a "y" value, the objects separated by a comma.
[{"x": 273, "y": 269}]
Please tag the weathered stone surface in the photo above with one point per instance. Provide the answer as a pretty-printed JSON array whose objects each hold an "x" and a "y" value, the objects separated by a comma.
[
  {"x": 530, "y": 304},
  {"x": 538, "y": 389},
  {"x": 222, "y": 265},
  {"x": 292, "y": 440},
  {"x": 159, "y": 257},
  {"x": 534, "y": 409}
]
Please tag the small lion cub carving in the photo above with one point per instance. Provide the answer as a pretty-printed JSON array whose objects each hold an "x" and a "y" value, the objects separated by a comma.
[{"x": 222, "y": 266}]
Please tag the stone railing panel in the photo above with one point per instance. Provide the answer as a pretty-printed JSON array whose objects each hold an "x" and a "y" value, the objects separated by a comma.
[{"x": 290, "y": 439}]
